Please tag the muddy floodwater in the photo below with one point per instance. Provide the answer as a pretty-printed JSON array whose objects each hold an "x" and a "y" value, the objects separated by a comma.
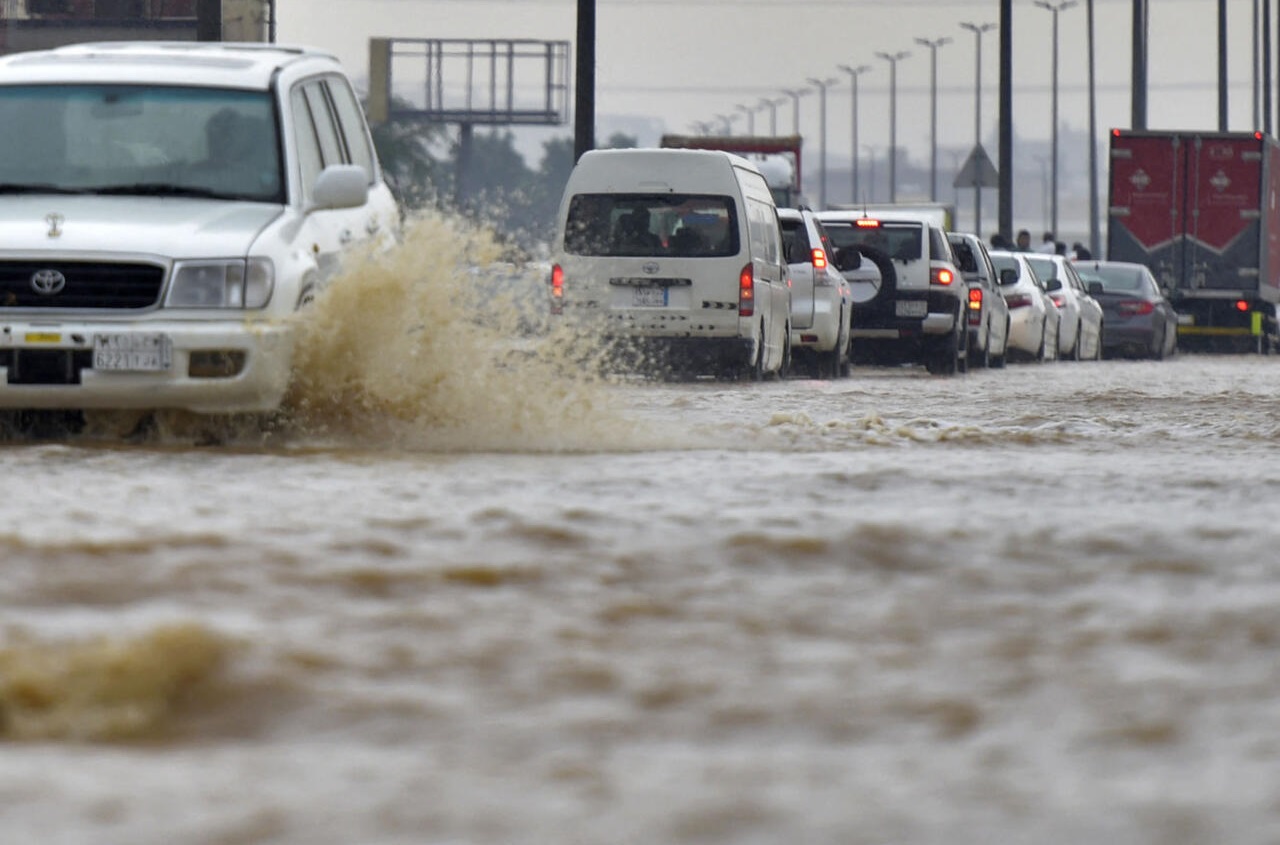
[{"x": 468, "y": 597}]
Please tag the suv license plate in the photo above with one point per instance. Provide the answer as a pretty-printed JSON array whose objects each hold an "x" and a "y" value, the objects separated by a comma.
[
  {"x": 651, "y": 297},
  {"x": 911, "y": 308},
  {"x": 132, "y": 352}
]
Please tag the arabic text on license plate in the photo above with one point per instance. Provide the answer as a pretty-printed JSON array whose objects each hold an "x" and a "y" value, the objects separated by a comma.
[
  {"x": 649, "y": 297},
  {"x": 135, "y": 352},
  {"x": 911, "y": 308}
]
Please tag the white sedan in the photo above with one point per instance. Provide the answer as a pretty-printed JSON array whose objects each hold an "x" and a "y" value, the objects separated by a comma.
[
  {"x": 1033, "y": 318},
  {"x": 1081, "y": 328}
]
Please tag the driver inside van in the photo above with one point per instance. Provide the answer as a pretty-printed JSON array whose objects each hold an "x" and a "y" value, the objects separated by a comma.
[{"x": 634, "y": 234}]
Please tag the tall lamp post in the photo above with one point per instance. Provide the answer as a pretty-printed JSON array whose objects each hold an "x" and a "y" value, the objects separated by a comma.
[
  {"x": 933, "y": 110},
  {"x": 795, "y": 94},
  {"x": 854, "y": 73},
  {"x": 822, "y": 85},
  {"x": 893, "y": 59},
  {"x": 977, "y": 29},
  {"x": 772, "y": 106},
  {"x": 1055, "y": 8},
  {"x": 726, "y": 121},
  {"x": 750, "y": 112}
]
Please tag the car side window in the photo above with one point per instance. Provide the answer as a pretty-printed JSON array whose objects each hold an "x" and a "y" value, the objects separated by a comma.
[
  {"x": 351, "y": 122},
  {"x": 310, "y": 161},
  {"x": 326, "y": 125},
  {"x": 795, "y": 241}
]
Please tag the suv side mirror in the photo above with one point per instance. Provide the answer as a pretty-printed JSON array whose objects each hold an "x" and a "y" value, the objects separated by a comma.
[
  {"x": 1053, "y": 284},
  {"x": 1095, "y": 288},
  {"x": 1008, "y": 276},
  {"x": 848, "y": 258},
  {"x": 340, "y": 186}
]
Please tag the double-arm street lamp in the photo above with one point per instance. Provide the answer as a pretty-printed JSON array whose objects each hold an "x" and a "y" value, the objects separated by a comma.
[
  {"x": 1055, "y": 8},
  {"x": 854, "y": 73},
  {"x": 772, "y": 106},
  {"x": 750, "y": 112},
  {"x": 933, "y": 110},
  {"x": 822, "y": 85},
  {"x": 893, "y": 59},
  {"x": 795, "y": 94}
]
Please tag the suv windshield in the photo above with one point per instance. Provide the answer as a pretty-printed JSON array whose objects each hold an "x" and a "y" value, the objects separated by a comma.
[
  {"x": 679, "y": 225},
  {"x": 139, "y": 139}
]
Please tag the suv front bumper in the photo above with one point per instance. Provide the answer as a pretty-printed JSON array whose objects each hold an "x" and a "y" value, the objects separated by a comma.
[{"x": 212, "y": 367}]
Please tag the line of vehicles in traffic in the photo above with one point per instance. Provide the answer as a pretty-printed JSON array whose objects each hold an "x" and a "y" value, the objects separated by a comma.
[{"x": 681, "y": 258}]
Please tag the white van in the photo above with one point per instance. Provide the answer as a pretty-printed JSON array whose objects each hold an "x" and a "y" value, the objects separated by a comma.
[{"x": 678, "y": 254}]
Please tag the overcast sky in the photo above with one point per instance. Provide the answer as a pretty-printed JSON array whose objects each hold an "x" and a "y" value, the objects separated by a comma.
[{"x": 684, "y": 61}]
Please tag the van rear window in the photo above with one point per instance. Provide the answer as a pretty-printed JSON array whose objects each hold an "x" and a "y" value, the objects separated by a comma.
[
  {"x": 903, "y": 241},
  {"x": 676, "y": 225}
]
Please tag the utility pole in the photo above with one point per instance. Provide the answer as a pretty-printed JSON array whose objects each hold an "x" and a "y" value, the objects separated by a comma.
[
  {"x": 1139, "y": 72},
  {"x": 1222, "y": 65},
  {"x": 854, "y": 73},
  {"x": 977, "y": 29},
  {"x": 584, "y": 116},
  {"x": 893, "y": 59},
  {"x": 933, "y": 111},
  {"x": 1095, "y": 235},
  {"x": 1006, "y": 119},
  {"x": 822, "y": 85}
]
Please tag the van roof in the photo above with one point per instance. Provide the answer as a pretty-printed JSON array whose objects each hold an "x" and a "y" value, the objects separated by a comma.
[{"x": 241, "y": 65}]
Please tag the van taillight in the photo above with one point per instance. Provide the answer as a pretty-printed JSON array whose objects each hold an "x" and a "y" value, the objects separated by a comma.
[
  {"x": 975, "y": 306},
  {"x": 943, "y": 276},
  {"x": 819, "y": 259},
  {"x": 747, "y": 291},
  {"x": 557, "y": 289}
]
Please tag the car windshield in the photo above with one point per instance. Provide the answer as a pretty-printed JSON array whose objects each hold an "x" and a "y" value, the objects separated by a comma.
[
  {"x": 903, "y": 241},
  {"x": 139, "y": 139},
  {"x": 677, "y": 225},
  {"x": 1113, "y": 278}
]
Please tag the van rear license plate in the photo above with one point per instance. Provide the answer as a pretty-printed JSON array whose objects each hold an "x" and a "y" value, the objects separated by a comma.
[
  {"x": 911, "y": 308},
  {"x": 132, "y": 352},
  {"x": 651, "y": 297}
]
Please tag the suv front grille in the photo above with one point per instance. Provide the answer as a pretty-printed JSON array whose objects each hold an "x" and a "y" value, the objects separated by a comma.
[{"x": 84, "y": 284}]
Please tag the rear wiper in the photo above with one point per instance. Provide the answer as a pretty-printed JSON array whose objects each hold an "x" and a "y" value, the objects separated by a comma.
[
  {"x": 156, "y": 189},
  {"x": 23, "y": 188}
]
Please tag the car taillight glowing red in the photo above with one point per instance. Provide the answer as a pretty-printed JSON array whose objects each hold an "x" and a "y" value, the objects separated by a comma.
[
  {"x": 819, "y": 259},
  {"x": 1242, "y": 305},
  {"x": 1018, "y": 300},
  {"x": 557, "y": 289},
  {"x": 1058, "y": 299},
  {"x": 975, "y": 306},
  {"x": 1135, "y": 307},
  {"x": 747, "y": 291},
  {"x": 943, "y": 276}
]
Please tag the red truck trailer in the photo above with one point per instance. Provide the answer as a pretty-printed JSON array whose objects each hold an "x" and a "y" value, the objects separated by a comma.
[
  {"x": 778, "y": 158},
  {"x": 1200, "y": 210}
]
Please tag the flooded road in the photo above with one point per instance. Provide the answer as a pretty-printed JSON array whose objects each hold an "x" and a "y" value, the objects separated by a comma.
[{"x": 494, "y": 603}]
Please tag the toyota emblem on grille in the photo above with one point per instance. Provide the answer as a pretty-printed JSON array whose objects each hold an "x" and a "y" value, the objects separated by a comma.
[
  {"x": 48, "y": 282},
  {"x": 650, "y": 267}
]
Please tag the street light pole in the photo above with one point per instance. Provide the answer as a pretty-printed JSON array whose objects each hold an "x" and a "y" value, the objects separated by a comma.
[
  {"x": 1055, "y": 8},
  {"x": 822, "y": 85},
  {"x": 933, "y": 110},
  {"x": 854, "y": 73},
  {"x": 892, "y": 59},
  {"x": 772, "y": 106},
  {"x": 795, "y": 94},
  {"x": 750, "y": 112},
  {"x": 977, "y": 29},
  {"x": 726, "y": 120}
]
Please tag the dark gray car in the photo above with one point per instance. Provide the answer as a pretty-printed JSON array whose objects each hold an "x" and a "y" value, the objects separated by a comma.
[{"x": 1138, "y": 321}]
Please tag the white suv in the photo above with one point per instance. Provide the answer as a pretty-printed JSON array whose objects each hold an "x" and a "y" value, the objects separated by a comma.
[
  {"x": 916, "y": 314},
  {"x": 820, "y": 300},
  {"x": 164, "y": 209}
]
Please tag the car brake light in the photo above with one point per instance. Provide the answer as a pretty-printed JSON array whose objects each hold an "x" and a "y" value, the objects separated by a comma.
[
  {"x": 819, "y": 259},
  {"x": 1058, "y": 299},
  {"x": 1018, "y": 300},
  {"x": 942, "y": 276},
  {"x": 975, "y": 306},
  {"x": 867, "y": 223},
  {"x": 1242, "y": 305},
  {"x": 1134, "y": 307},
  {"x": 747, "y": 291},
  {"x": 557, "y": 289}
]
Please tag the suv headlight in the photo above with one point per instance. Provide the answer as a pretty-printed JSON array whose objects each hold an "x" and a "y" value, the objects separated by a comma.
[{"x": 234, "y": 283}]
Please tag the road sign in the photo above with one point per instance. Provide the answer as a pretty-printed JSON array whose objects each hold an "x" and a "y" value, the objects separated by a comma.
[{"x": 977, "y": 172}]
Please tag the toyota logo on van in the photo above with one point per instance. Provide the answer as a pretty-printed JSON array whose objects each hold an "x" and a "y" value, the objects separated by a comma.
[{"x": 48, "y": 282}]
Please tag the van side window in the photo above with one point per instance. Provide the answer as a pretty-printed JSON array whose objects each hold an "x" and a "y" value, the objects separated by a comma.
[{"x": 762, "y": 228}]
